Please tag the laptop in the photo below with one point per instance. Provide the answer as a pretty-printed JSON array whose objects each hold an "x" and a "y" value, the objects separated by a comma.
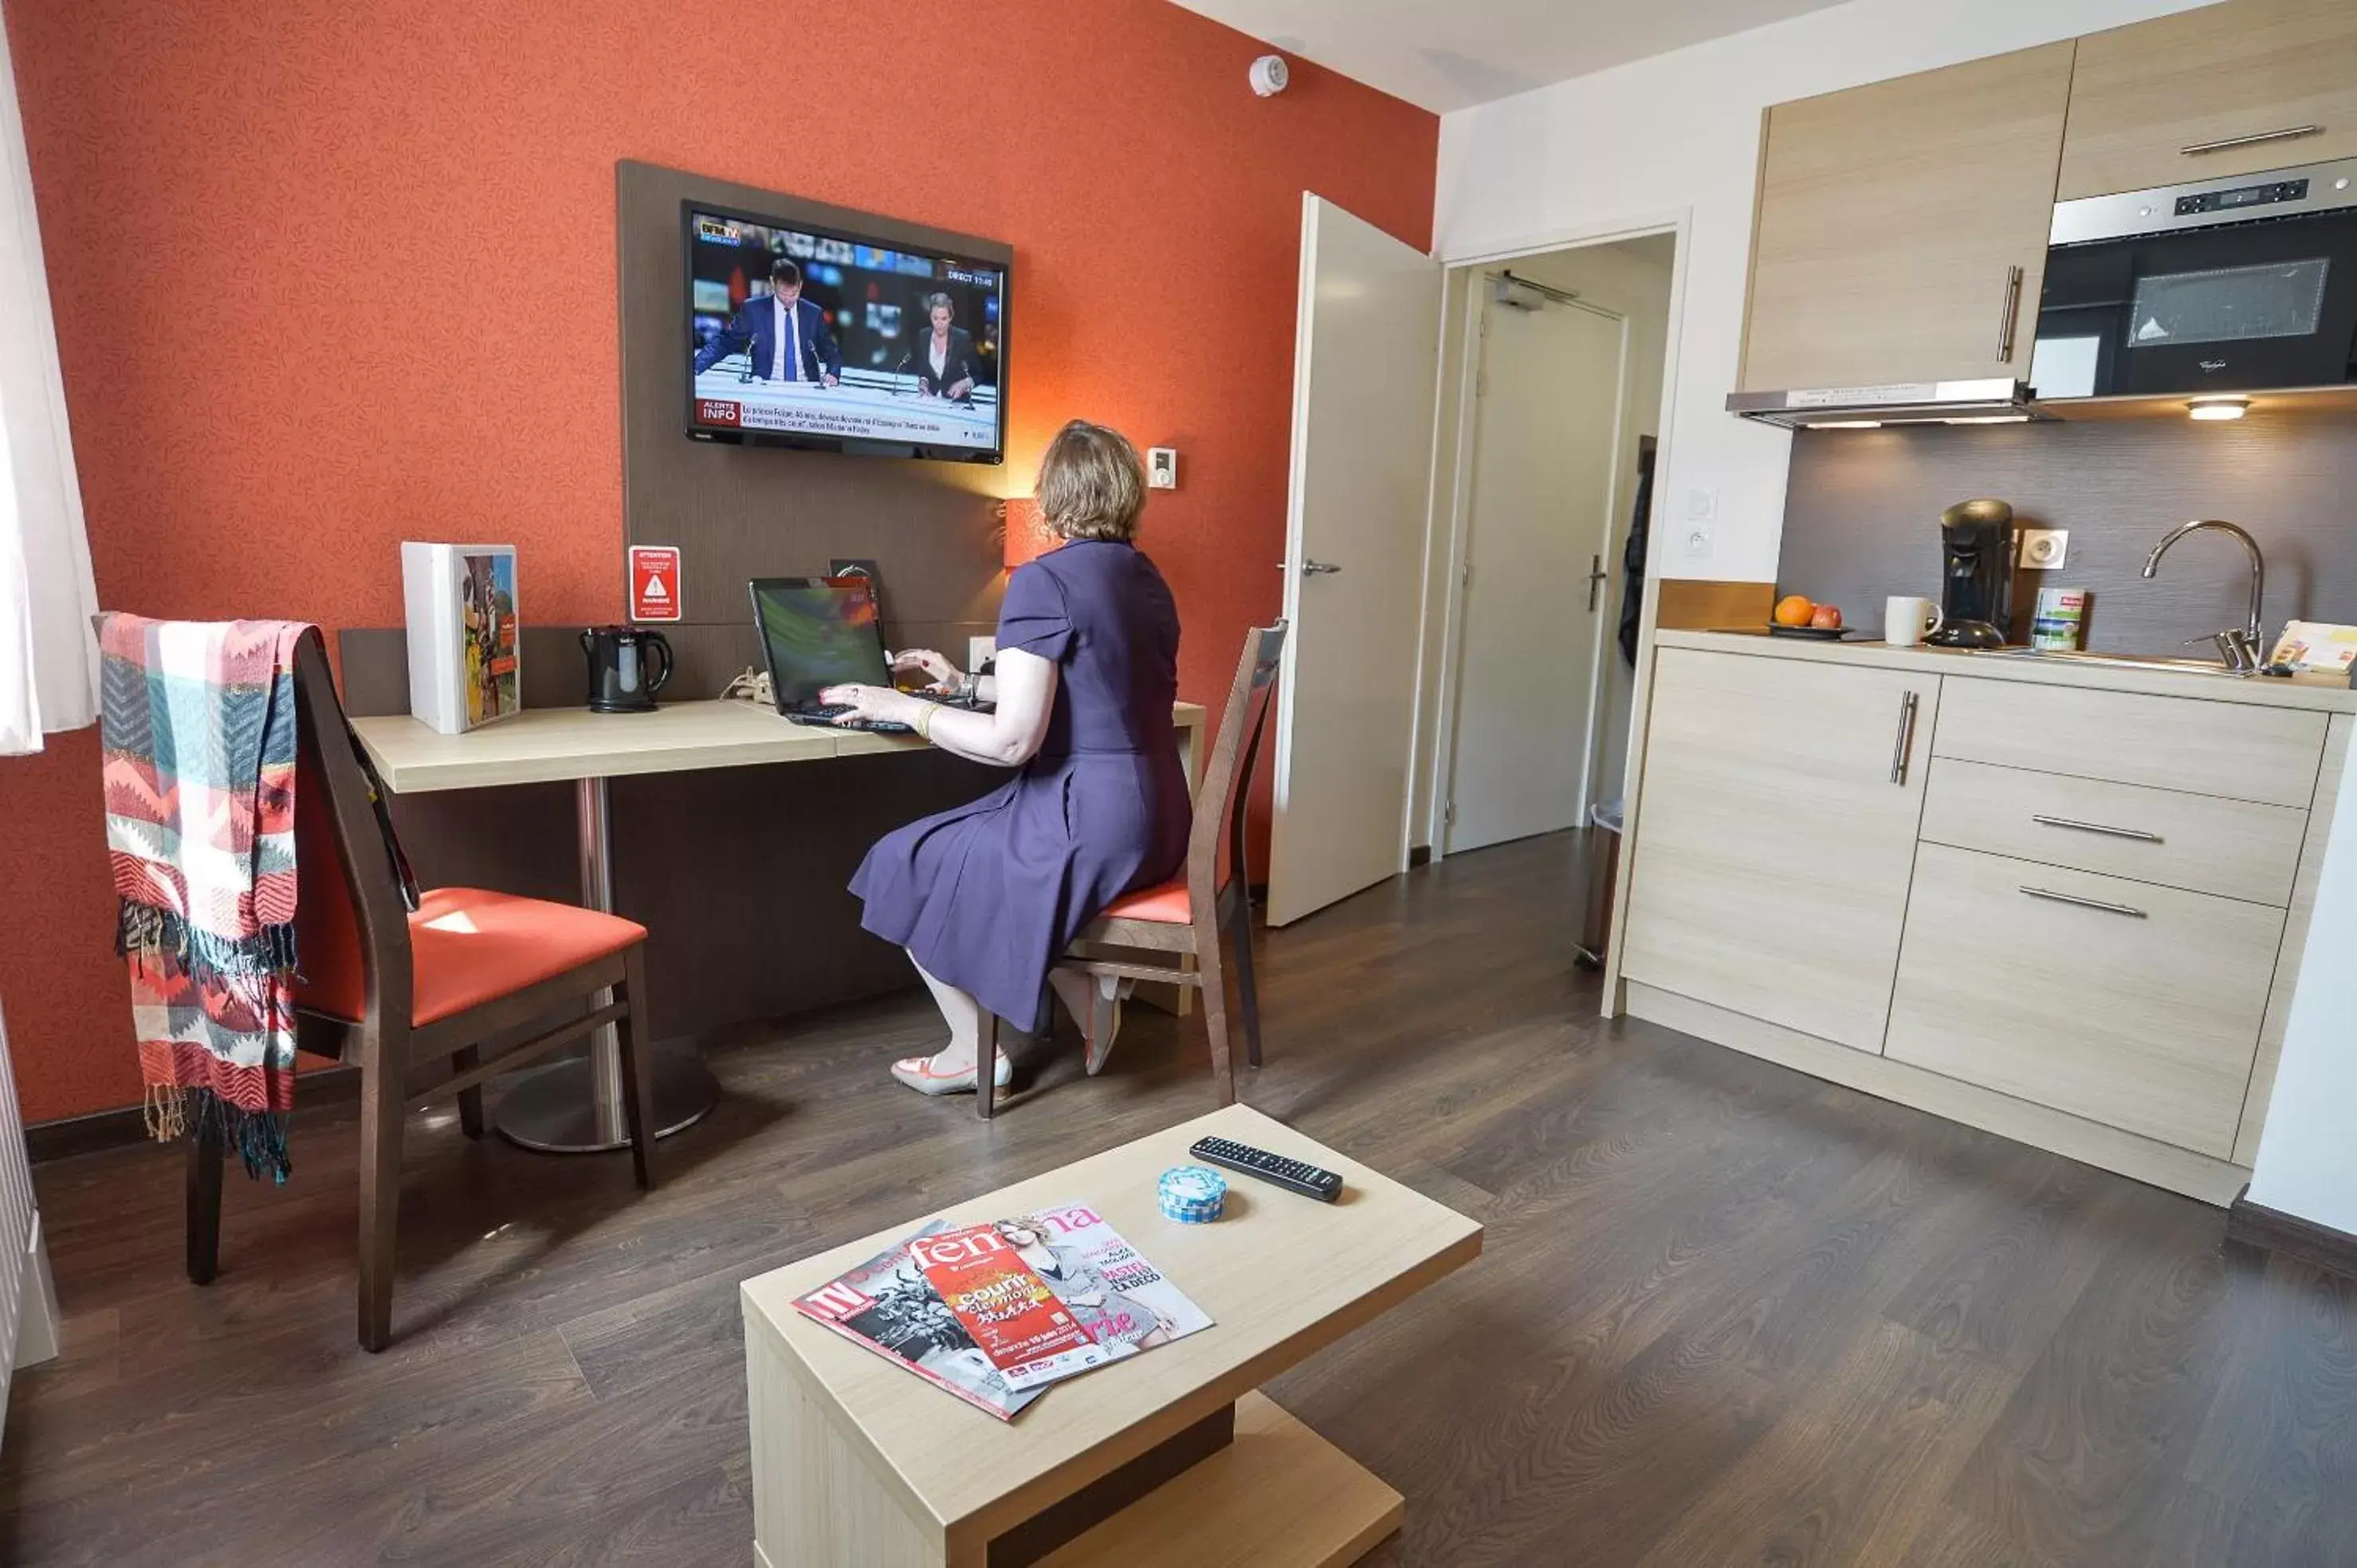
[{"x": 818, "y": 632}]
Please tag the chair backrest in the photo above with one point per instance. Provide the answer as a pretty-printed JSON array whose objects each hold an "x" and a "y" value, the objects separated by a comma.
[
  {"x": 351, "y": 923},
  {"x": 1223, "y": 794}
]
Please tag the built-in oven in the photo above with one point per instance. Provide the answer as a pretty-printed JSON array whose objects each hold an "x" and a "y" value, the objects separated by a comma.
[{"x": 2222, "y": 286}]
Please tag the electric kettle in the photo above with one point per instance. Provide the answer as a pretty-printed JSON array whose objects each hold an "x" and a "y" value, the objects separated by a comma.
[{"x": 626, "y": 668}]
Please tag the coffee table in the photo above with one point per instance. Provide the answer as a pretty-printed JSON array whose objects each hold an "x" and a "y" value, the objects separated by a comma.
[{"x": 1169, "y": 1457}]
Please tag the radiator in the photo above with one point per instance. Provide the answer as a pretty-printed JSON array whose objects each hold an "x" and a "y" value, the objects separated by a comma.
[{"x": 27, "y": 1313}]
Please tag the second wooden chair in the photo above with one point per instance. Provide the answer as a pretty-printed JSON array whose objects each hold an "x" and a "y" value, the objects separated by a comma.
[{"x": 1185, "y": 917}]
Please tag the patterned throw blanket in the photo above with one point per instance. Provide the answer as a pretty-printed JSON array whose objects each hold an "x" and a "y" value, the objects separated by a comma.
[{"x": 199, "y": 727}]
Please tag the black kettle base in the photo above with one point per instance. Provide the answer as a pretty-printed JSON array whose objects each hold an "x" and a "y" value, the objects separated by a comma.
[
  {"x": 1966, "y": 634},
  {"x": 644, "y": 707}
]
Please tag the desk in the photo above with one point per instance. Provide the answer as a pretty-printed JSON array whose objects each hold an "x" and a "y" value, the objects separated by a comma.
[
  {"x": 856, "y": 1459},
  {"x": 576, "y": 1107}
]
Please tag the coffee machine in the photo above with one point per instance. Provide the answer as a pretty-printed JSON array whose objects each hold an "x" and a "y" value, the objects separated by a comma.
[{"x": 1975, "y": 575}]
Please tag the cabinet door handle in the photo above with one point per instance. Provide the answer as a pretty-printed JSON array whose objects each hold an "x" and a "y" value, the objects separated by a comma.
[
  {"x": 2136, "y": 833},
  {"x": 2012, "y": 309},
  {"x": 2053, "y": 897},
  {"x": 1906, "y": 735},
  {"x": 2288, "y": 133}
]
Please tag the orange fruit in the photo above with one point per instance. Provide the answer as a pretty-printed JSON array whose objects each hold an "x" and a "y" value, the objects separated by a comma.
[{"x": 1795, "y": 609}]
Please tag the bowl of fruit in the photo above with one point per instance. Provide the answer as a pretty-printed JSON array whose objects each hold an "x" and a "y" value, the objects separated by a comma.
[{"x": 1796, "y": 615}]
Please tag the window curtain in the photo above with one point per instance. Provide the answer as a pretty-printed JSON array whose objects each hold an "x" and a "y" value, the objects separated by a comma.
[{"x": 49, "y": 655}]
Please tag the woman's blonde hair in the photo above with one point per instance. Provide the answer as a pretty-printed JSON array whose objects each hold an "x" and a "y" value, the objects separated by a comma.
[{"x": 1092, "y": 485}]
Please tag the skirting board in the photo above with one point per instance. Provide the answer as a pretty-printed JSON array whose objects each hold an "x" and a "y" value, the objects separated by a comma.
[
  {"x": 2196, "y": 1175},
  {"x": 2272, "y": 1230},
  {"x": 127, "y": 1125}
]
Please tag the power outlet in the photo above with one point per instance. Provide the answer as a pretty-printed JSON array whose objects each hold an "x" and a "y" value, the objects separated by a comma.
[
  {"x": 979, "y": 650},
  {"x": 2044, "y": 549},
  {"x": 1695, "y": 541}
]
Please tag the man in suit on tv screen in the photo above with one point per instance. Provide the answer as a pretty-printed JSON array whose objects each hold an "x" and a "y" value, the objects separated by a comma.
[{"x": 785, "y": 334}]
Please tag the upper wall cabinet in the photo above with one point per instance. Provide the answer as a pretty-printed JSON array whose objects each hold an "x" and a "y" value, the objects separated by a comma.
[
  {"x": 2227, "y": 90},
  {"x": 1901, "y": 227}
]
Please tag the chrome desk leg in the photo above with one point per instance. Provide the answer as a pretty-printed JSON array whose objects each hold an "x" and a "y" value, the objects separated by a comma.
[{"x": 576, "y": 1107}]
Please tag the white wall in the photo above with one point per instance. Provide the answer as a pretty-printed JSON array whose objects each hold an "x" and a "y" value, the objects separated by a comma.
[
  {"x": 1682, "y": 132},
  {"x": 2308, "y": 1157}
]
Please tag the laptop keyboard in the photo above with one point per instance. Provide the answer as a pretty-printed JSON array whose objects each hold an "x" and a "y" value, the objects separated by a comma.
[{"x": 826, "y": 715}]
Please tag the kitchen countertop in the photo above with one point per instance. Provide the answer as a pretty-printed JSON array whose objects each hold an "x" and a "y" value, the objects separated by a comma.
[{"x": 2315, "y": 693}]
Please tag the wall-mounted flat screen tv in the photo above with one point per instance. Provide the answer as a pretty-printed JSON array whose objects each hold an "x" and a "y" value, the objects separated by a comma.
[{"x": 802, "y": 337}]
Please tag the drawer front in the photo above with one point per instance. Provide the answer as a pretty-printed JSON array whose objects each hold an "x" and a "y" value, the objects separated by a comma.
[
  {"x": 2269, "y": 754},
  {"x": 2139, "y": 1007},
  {"x": 2203, "y": 843}
]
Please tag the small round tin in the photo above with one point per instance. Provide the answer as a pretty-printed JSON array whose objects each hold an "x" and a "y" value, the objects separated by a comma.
[{"x": 1191, "y": 1195}]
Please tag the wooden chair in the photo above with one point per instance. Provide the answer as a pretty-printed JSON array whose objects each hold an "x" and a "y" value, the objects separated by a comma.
[
  {"x": 412, "y": 998},
  {"x": 1185, "y": 916}
]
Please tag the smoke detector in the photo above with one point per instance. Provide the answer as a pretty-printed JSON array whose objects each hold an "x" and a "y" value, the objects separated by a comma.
[{"x": 1269, "y": 75}]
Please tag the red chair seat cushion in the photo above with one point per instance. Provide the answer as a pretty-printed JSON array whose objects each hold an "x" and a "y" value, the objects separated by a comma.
[
  {"x": 1165, "y": 902},
  {"x": 470, "y": 945}
]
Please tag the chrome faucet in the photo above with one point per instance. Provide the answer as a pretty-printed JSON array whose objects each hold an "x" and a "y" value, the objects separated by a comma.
[{"x": 2238, "y": 645}]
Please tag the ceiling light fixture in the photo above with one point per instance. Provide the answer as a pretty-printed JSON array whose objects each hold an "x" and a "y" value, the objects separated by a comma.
[{"x": 2218, "y": 407}]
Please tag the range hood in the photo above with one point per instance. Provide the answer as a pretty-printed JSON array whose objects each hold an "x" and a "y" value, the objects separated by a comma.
[{"x": 1997, "y": 401}]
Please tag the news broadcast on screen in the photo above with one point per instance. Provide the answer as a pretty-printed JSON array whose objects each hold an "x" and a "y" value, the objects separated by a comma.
[{"x": 817, "y": 338}]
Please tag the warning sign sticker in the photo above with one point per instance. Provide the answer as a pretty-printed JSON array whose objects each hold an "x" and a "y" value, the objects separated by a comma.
[{"x": 654, "y": 583}]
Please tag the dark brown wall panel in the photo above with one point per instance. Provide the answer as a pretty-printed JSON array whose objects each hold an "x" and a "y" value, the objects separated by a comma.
[
  {"x": 1861, "y": 517},
  {"x": 934, "y": 530}
]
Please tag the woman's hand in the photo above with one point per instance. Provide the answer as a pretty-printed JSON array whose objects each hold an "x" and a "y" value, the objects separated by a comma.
[
  {"x": 960, "y": 390},
  {"x": 877, "y": 704},
  {"x": 943, "y": 675}
]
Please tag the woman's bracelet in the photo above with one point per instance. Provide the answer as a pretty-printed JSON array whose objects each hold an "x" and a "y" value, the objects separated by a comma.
[{"x": 924, "y": 723}]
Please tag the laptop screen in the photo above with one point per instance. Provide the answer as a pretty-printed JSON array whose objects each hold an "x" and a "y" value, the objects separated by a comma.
[{"x": 818, "y": 632}]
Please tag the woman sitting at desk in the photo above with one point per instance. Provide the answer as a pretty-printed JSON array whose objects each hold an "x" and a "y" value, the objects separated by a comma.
[
  {"x": 986, "y": 898},
  {"x": 946, "y": 365}
]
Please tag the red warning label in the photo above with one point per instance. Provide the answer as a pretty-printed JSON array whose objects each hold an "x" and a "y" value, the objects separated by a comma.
[{"x": 654, "y": 582}]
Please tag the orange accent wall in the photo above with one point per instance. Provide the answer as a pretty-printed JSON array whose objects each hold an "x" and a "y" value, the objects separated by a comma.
[{"x": 322, "y": 274}]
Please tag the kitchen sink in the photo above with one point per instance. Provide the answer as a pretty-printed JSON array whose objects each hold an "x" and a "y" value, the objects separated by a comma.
[{"x": 2119, "y": 661}]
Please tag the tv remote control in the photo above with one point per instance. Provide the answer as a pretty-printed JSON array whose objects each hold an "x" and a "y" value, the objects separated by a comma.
[{"x": 1294, "y": 1176}]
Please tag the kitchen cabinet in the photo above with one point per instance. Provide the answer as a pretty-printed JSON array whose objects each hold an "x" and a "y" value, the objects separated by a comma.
[
  {"x": 2234, "y": 89},
  {"x": 1781, "y": 802},
  {"x": 2131, "y": 1004},
  {"x": 2077, "y": 917},
  {"x": 1900, "y": 230}
]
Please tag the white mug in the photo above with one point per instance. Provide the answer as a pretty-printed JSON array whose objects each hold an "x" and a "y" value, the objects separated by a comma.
[{"x": 1908, "y": 620}]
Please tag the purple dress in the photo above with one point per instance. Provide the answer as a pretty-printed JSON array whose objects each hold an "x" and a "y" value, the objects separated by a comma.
[{"x": 988, "y": 895}]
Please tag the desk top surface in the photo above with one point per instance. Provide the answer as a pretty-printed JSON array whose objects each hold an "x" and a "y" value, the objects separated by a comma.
[
  {"x": 1280, "y": 1274},
  {"x": 552, "y": 745}
]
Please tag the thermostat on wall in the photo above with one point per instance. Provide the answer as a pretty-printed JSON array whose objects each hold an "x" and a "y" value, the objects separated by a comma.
[{"x": 1162, "y": 468}]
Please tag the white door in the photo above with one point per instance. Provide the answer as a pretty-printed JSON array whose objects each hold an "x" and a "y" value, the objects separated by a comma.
[
  {"x": 1366, "y": 358},
  {"x": 1537, "y": 553}
]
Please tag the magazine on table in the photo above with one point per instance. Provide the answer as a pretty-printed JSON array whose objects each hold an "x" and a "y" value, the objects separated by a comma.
[
  {"x": 1126, "y": 1303},
  {"x": 889, "y": 1305},
  {"x": 995, "y": 1313}
]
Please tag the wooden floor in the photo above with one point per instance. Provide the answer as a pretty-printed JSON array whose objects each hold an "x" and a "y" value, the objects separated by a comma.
[{"x": 1725, "y": 1314}]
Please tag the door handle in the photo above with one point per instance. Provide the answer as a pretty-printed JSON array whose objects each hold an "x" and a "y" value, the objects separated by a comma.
[
  {"x": 2073, "y": 899},
  {"x": 1318, "y": 569},
  {"x": 1906, "y": 735},
  {"x": 1597, "y": 578},
  {"x": 2288, "y": 133},
  {"x": 2136, "y": 833},
  {"x": 2012, "y": 310}
]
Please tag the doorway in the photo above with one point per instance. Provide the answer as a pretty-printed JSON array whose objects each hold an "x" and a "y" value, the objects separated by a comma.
[{"x": 1558, "y": 359}]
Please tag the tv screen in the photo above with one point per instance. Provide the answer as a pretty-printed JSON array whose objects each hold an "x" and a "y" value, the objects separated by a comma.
[{"x": 802, "y": 337}]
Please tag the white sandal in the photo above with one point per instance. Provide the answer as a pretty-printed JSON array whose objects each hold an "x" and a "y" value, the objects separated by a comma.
[{"x": 919, "y": 1074}]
